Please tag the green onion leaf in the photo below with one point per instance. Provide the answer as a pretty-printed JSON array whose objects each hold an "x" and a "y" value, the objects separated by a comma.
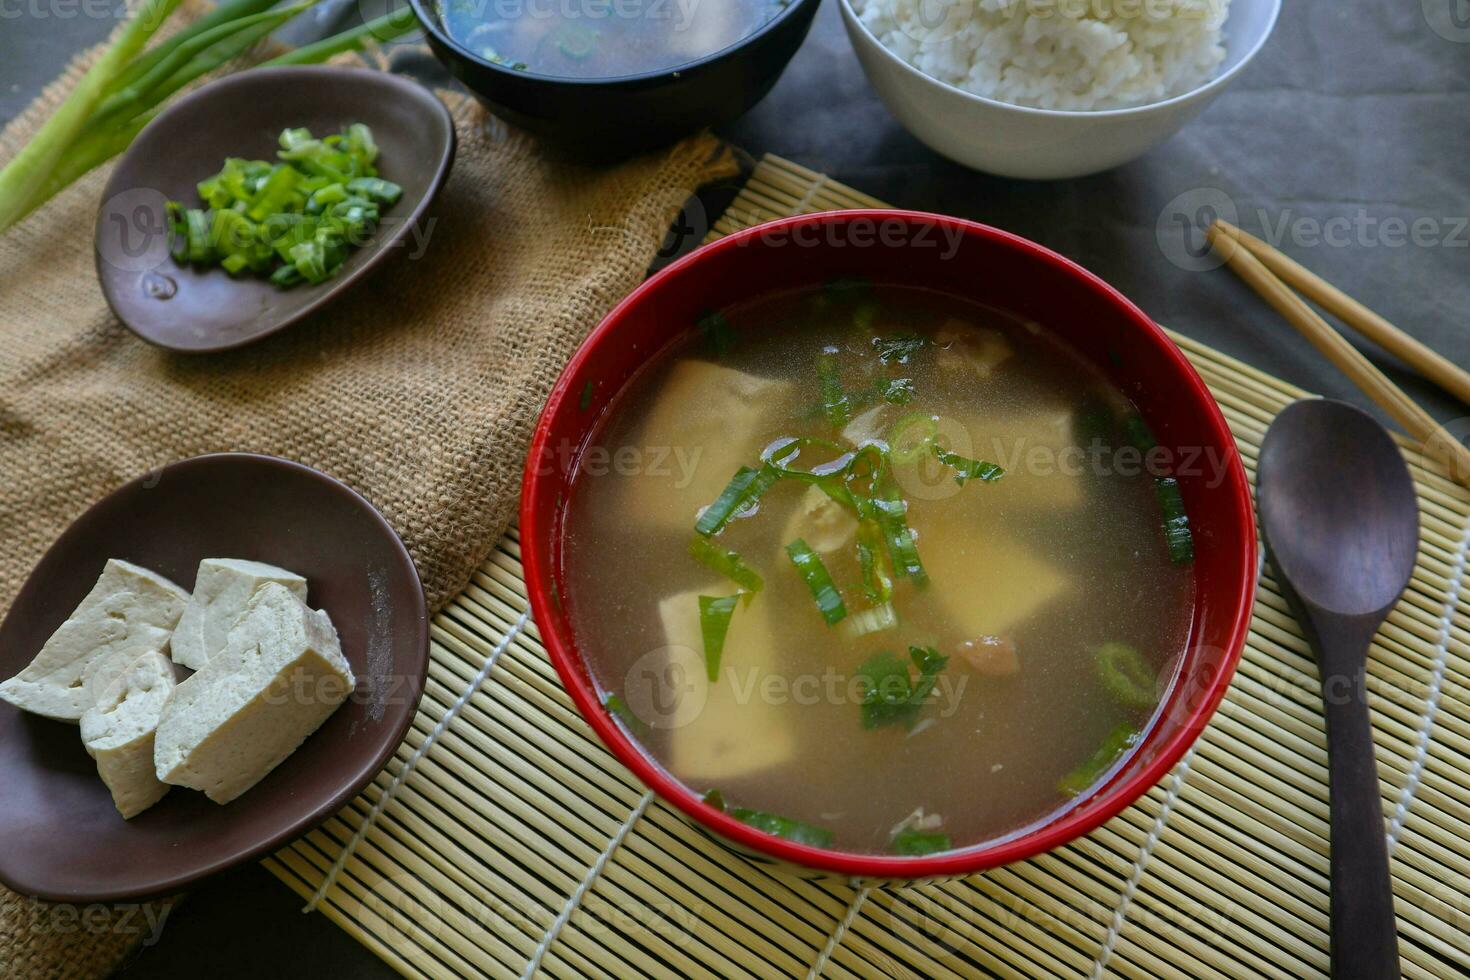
[
  {"x": 911, "y": 436},
  {"x": 873, "y": 620},
  {"x": 890, "y": 511},
  {"x": 916, "y": 843},
  {"x": 778, "y": 826},
  {"x": 727, "y": 563},
  {"x": 834, "y": 399},
  {"x": 1127, "y": 676},
  {"x": 376, "y": 188},
  {"x": 1177, "y": 535},
  {"x": 898, "y": 348},
  {"x": 890, "y": 694},
  {"x": 809, "y": 564},
  {"x": 877, "y": 585},
  {"x": 1119, "y": 741},
  {"x": 714, "y": 624},
  {"x": 585, "y": 401},
  {"x": 897, "y": 391},
  {"x": 968, "y": 469},
  {"x": 744, "y": 489}
]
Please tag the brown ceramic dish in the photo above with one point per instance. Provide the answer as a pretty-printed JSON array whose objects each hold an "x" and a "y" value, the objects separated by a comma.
[
  {"x": 60, "y": 837},
  {"x": 203, "y": 310}
]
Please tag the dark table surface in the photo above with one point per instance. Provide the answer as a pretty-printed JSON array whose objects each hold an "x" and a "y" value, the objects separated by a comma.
[{"x": 1347, "y": 144}]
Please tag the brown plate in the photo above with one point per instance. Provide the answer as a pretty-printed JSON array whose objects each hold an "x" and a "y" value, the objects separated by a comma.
[
  {"x": 202, "y": 310},
  {"x": 60, "y": 837}
]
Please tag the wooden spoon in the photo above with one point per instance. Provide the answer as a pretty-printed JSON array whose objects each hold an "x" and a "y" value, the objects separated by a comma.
[{"x": 1341, "y": 524}]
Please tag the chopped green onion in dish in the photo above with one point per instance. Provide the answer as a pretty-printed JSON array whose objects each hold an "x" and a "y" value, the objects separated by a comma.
[
  {"x": 877, "y": 584},
  {"x": 1127, "y": 676},
  {"x": 910, "y": 842},
  {"x": 968, "y": 469},
  {"x": 727, "y": 563},
  {"x": 834, "y": 399},
  {"x": 786, "y": 828},
  {"x": 809, "y": 564},
  {"x": 744, "y": 489},
  {"x": 1119, "y": 741},
  {"x": 890, "y": 511},
  {"x": 294, "y": 221},
  {"x": 873, "y": 620},
  {"x": 891, "y": 694},
  {"x": 714, "y": 625},
  {"x": 898, "y": 348},
  {"x": 910, "y": 437},
  {"x": 1177, "y": 535},
  {"x": 619, "y": 709}
]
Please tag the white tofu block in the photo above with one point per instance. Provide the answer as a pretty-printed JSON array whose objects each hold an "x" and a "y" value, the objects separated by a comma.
[
  {"x": 280, "y": 676},
  {"x": 704, "y": 426},
  {"x": 729, "y": 731},
  {"x": 992, "y": 586},
  {"x": 118, "y": 731},
  {"x": 965, "y": 347},
  {"x": 822, "y": 522},
  {"x": 221, "y": 589},
  {"x": 1045, "y": 468},
  {"x": 129, "y": 612}
]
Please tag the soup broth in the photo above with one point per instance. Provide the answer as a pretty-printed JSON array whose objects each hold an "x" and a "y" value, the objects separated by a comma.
[
  {"x": 947, "y": 686},
  {"x": 599, "y": 38}
]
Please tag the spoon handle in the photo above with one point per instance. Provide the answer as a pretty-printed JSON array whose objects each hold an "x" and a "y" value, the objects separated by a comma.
[{"x": 1364, "y": 938}]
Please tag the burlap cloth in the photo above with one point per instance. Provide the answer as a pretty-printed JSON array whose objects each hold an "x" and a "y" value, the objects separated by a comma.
[{"x": 419, "y": 388}]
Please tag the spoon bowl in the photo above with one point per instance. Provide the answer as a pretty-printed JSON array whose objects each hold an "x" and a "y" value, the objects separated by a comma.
[
  {"x": 1338, "y": 507},
  {"x": 1341, "y": 523}
]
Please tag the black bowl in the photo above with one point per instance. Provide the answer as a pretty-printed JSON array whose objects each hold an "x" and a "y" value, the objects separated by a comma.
[{"x": 607, "y": 118}]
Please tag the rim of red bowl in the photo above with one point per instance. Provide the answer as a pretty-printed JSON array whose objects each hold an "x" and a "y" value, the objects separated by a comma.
[{"x": 1037, "y": 838}]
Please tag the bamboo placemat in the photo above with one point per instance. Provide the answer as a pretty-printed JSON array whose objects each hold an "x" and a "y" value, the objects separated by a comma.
[{"x": 518, "y": 843}]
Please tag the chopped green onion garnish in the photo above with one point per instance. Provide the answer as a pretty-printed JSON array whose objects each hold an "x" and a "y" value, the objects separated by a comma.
[
  {"x": 873, "y": 620},
  {"x": 744, "y": 489},
  {"x": 784, "y": 827},
  {"x": 889, "y": 693},
  {"x": 1139, "y": 433},
  {"x": 890, "y": 511},
  {"x": 834, "y": 399},
  {"x": 585, "y": 401},
  {"x": 1177, "y": 534},
  {"x": 968, "y": 469},
  {"x": 809, "y": 564},
  {"x": 916, "y": 843},
  {"x": 376, "y": 188},
  {"x": 727, "y": 563},
  {"x": 899, "y": 347},
  {"x": 876, "y": 583},
  {"x": 714, "y": 624},
  {"x": 897, "y": 391},
  {"x": 619, "y": 709},
  {"x": 1127, "y": 675},
  {"x": 911, "y": 436},
  {"x": 1119, "y": 741}
]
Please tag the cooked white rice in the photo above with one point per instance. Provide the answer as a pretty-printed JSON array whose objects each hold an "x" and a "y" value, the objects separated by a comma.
[{"x": 1056, "y": 54}]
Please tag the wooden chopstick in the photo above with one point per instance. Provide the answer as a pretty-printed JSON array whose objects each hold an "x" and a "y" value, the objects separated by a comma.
[
  {"x": 1433, "y": 365},
  {"x": 1416, "y": 422}
]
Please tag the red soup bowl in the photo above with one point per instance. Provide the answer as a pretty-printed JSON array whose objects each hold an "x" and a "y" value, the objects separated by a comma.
[{"x": 981, "y": 264}]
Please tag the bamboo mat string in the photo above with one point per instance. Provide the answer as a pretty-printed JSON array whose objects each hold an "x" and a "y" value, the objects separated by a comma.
[
  {"x": 833, "y": 941},
  {"x": 408, "y": 767},
  {"x": 1436, "y": 686},
  {"x": 574, "y": 900},
  {"x": 1120, "y": 914}
]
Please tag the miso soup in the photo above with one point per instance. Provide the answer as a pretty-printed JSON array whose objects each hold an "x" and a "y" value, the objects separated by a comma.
[
  {"x": 601, "y": 38},
  {"x": 869, "y": 567}
]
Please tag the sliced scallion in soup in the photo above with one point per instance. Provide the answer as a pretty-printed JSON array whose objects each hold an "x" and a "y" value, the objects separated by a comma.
[
  {"x": 884, "y": 569},
  {"x": 601, "y": 38}
]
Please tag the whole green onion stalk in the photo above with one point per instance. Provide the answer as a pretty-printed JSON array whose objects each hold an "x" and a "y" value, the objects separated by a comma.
[{"x": 126, "y": 87}]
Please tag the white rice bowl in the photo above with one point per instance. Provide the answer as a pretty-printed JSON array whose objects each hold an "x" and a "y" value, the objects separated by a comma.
[{"x": 1056, "y": 54}]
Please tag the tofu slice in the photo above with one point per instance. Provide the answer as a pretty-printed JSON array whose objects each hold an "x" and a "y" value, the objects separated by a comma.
[
  {"x": 995, "y": 589},
  {"x": 867, "y": 426},
  {"x": 701, "y": 448},
  {"x": 821, "y": 521},
  {"x": 280, "y": 676},
  {"x": 731, "y": 731},
  {"x": 1045, "y": 468},
  {"x": 221, "y": 589},
  {"x": 129, "y": 612},
  {"x": 964, "y": 346},
  {"x": 118, "y": 731}
]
